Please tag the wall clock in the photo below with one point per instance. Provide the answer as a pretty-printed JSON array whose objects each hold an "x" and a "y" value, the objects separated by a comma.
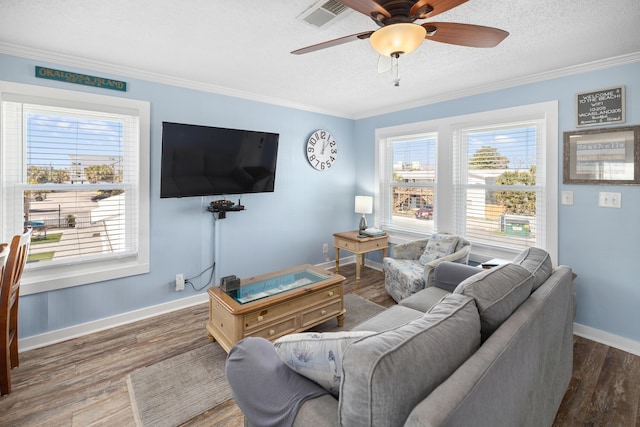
[{"x": 322, "y": 150}]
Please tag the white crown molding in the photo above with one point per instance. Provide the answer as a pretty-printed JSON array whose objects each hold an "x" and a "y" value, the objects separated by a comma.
[
  {"x": 506, "y": 84},
  {"x": 73, "y": 61},
  {"x": 29, "y": 53}
]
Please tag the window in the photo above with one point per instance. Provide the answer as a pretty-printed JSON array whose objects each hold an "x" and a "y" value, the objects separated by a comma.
[
  {"x": 492, "y": 177},
  {"x": 499, "y": 184},
  {"x": 409, "y": 182},
  {"x": 75, "y": 169}
]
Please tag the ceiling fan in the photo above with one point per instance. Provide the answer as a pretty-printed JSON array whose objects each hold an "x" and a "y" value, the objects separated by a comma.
[{"x": 400, "y": 35}]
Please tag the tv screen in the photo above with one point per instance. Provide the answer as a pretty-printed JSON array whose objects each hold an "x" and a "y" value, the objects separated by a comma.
[{"x": 209, "y": 161}]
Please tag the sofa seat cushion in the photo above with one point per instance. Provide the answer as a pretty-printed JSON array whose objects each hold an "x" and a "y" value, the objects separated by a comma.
[
  {"x": 425, "y": 299},
  {"x": 317, "y": 355},
  {"x": 538, "y": 262},
  {"x": 404, "y": 277},
  {"x": 391, "y": 318},
  {"x": 387, "y": 374},
  {"x": 438, "y": 246},
  {"x": 497, "y": 292}
]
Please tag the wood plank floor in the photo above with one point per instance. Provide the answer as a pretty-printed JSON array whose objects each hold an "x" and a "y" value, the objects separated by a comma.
[{"x": 81, "y": 382}]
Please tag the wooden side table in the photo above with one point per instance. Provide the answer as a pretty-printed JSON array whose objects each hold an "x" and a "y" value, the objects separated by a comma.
[{"x": 350, "y": 241}]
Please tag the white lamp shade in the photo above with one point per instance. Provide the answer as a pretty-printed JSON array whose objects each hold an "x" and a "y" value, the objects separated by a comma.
[
  {"x": 364, "y": 204},
  {"x": 397, "y": 38}
]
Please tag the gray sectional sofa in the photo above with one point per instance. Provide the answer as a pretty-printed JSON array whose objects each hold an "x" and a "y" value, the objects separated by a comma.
[{"x": 497, "y": 351}]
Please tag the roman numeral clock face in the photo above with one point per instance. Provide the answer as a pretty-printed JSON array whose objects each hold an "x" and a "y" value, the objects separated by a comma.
[{"x": 322, "y": 150}]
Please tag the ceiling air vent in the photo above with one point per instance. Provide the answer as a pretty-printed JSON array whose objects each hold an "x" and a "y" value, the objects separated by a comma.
[{"x": 322, "y": 13}]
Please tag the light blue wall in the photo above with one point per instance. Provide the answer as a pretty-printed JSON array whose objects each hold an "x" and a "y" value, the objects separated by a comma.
[
  {"x": 277, "y": 230},
  {"x": 602, "y": 245},
  {"x": 289, "y": 226}
]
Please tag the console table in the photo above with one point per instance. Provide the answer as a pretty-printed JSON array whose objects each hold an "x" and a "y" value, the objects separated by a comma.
[
  {"x": 275, "y": 304},
  {"x": 350, "y": 241}
]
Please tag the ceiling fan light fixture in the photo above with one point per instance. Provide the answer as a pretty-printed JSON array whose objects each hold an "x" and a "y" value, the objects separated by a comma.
[{"x": 400, "y": 38}]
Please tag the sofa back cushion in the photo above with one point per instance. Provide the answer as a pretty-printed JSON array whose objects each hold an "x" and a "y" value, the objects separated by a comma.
[
  {"x": 385, "y": 375},
  {"x": 497, "y": 292},
  {"x": 538, "y": 262}
]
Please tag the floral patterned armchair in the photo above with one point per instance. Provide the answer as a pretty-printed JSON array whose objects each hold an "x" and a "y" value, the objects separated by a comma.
[{"x": 412, "y": 266}]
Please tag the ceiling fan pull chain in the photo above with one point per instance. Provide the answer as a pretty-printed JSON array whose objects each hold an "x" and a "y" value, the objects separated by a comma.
[{"x": 396, "y": 69}]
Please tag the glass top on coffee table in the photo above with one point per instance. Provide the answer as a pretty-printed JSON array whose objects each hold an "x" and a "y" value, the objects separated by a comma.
[{"x": 253, "y": 291}]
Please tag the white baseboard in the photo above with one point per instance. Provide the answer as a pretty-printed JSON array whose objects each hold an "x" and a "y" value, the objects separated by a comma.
[
  {"x": 65, "y": 334},
  {"x": 59, "y": 335},
  {"x": 53, "y": 337},
  {"x": 621, "y": 343}
]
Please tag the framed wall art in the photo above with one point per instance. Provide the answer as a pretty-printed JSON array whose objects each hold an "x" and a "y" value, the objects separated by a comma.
[{"x": 608, "y": 156}]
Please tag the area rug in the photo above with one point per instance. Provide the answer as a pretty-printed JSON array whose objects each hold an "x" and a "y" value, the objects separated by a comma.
[{"x": 173, "y": 391}]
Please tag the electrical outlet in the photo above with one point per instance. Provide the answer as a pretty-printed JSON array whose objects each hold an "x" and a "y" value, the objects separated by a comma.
[
  {"x": 325, "y": 248},
  {"x": 609, "y": 200},
  {"x": 179, "y": 282}
]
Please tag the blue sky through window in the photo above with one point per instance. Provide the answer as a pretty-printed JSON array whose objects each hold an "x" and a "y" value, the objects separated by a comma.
[
  {"x": 516, "y": 144},
  {"x": 54, "y": 141}
]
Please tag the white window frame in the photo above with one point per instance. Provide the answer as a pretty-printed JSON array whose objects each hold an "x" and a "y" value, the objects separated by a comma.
[
  {"x": 445, "y": 193},
  {"x": 385, "y": 170},
  {"x": 43, "y": 279}
]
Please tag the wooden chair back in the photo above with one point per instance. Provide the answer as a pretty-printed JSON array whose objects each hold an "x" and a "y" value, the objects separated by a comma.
[{"x": 9, "y": 297}]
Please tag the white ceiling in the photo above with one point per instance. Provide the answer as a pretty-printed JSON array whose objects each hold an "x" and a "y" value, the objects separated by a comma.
[{"x": 242, "y": 48}]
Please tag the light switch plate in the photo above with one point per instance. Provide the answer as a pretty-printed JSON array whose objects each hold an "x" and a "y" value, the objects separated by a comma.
[
  {"x": 567, "y": 197},
  {"x": 609, "y": 200}
]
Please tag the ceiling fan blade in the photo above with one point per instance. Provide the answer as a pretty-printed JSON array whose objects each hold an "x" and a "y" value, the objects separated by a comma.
[
  {"x": 384, "y": 63},
  {"x": 421, "y": 8},
  {"x": 367, "y": 7},
  {"x": 464, "y": 34},
  {"x": 334, "y": 42}
]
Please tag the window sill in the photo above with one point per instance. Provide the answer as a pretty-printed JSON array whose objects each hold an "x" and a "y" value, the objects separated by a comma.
[{"x": 66, "y": 276}]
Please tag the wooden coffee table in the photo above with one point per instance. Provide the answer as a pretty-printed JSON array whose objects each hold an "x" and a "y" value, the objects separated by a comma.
[{"x": 275, "y": 304}]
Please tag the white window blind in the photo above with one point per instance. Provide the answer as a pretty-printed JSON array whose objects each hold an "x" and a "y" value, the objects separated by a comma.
[
  {"x": 499, "y": 179},
  {"x": 73, "y": 171},
  {"x": 409, "y": 184},
  {"x": 495, "y": 182}
]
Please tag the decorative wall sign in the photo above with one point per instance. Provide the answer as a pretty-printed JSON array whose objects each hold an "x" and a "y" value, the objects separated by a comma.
[
  {"x": 81, "y": 79},
  {"x": 608, "y": 156},
  {"x": 600, "y": 107}
]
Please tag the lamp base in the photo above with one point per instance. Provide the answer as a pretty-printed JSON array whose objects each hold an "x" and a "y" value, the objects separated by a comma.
[{"x": 363, "y": 224}]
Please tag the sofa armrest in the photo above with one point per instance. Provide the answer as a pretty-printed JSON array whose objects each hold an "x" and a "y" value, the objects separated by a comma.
[
  {"x": 410, "y": 250},
  {"x": 461, "y": 257},
  {"x": 448, "y": 275}
]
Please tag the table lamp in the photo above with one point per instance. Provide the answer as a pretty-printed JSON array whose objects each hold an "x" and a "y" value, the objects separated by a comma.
[{"x": 364, "y": 205}]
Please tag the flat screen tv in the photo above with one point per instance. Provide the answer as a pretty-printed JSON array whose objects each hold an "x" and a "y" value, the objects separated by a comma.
[{"x": 209, "y": 161}]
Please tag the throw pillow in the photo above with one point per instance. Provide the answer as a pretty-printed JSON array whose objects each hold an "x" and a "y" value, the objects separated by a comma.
[
  {"x": 317, "y": 356},
  {"x": 387, "y": 374},
  {"x": 438, "y": 246},
  {"x": 497, "y": 292}
]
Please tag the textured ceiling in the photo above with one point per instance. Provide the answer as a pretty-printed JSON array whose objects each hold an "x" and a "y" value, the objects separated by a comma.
[{"x": 242, "y": 47}]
